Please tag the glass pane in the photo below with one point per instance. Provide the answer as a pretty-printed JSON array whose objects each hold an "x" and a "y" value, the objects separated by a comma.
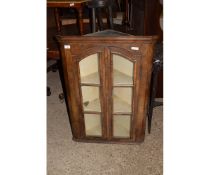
[
  {"x": 122, "y": 99},
  {"x": 89, "y": 69},
  {"x": 90, "y": 96},
  {"x": 121, "y": 125},
  {"x": 93, "y": 124},
  {"x": 122, "y": 70}
]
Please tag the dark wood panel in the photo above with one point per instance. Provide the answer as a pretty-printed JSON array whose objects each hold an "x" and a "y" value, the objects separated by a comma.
[{"x": 145, "y": 17}]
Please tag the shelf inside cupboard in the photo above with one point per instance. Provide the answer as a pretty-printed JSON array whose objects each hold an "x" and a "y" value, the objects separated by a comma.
[{"x": 119, "y": 79}]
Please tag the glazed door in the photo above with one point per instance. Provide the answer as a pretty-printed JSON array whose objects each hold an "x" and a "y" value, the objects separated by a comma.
[
  {"x": 107, "y": 94},
  {"x": 92, "y": 95},
  {"x": 123, "y": 67}
]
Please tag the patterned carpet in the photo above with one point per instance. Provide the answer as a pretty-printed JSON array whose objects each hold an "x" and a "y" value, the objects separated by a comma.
[{"x": 67, "y": 157}]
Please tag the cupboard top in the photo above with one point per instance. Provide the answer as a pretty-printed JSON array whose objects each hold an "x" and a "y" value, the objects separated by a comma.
[{"x": 107, "y": 36}]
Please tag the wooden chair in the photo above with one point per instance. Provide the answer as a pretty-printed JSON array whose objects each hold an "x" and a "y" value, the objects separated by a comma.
[{"x": 96, "y": 7}]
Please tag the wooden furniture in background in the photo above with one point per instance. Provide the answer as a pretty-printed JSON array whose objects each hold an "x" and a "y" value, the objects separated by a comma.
[
  {"x": 107, "y": 79},
  {"x": 144, "y": 17},
  {"x": 144, "y": 20},
  {"x": 76, "y": 4},
  {"x": 153, "y": 10},
  {"x": 53, "y": 52},
  {"x": 96, "y": 6}
]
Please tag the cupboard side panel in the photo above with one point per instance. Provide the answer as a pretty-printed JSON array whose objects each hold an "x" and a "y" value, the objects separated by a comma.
[
  {"x": 144, "y": 77},
  {"x": 73, "y": 95}
]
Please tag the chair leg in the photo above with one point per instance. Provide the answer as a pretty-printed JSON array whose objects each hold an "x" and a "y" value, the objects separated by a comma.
[
  {"x": 110, "y": 17},
  {"x": 152, "y": 102},
  {"x": 93, "y": 20},
  {"x": 48, "y": 91},
  {"x": 99, "y": 19},
  {"x": 53, "y": 67},
  {"x": 118, "y": 2}
]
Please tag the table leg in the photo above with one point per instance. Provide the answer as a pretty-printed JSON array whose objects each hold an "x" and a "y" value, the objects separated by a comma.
[
  {"x": 80, "y": 19},
  {"x": 126, "y": 12},
  {"x": 57, "y": 19},
  {"x": 99, "y": 19}
]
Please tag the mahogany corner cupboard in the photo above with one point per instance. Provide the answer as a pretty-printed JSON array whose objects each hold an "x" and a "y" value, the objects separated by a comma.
[{"x": 107, "y": 79}]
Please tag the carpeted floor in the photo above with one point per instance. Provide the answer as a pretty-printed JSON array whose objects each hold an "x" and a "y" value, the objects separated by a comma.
[{"x": 67, "y": 157}]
